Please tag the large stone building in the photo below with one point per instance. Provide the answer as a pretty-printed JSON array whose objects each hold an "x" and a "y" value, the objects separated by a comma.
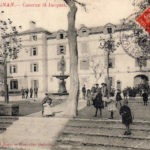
[{"x": 39, "y": 59}]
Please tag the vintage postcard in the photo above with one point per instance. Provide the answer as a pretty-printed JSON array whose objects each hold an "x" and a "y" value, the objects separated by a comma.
[{"x": 74, "y": 74}]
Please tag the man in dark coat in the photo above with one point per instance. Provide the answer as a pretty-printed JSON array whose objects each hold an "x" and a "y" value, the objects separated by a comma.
[
  {"x": 125, "y": 112},
  {"x": 31, "y": 92},
  {"x": 98, "y": 102},
  {"x": 145, "y": 97}
]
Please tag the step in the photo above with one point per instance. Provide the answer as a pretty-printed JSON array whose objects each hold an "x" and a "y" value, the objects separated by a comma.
[
  {"x": 106, "y": 131},
  {"x": 109, "y": 121},
  {"x": 106, "y": 125},
  {"x": 72, "y": 145},
  {"x": 96, "y": 139}
]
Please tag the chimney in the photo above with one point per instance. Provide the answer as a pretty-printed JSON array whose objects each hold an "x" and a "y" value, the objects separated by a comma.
[{"x": 32, "y": 24}]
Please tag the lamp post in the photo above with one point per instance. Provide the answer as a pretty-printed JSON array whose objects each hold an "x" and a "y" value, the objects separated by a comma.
[{"x": 109, "y": 47}]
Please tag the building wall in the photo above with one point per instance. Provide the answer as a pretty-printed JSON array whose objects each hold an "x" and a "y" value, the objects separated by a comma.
[{"x": 124, "y": 67}]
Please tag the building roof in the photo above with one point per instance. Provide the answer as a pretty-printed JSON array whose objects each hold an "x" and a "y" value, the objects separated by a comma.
[{"x": 34, "y": 30}]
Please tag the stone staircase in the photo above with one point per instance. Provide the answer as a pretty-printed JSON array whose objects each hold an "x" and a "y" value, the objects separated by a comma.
[
  {"x": 5, "y": 122},
  {"x": 90, "y": 134}
]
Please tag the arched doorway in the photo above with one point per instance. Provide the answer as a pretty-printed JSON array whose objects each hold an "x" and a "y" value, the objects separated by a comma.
[{"x": 141, "y": 81}]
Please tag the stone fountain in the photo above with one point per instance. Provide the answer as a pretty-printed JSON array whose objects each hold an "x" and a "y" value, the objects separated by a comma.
[{"x": 62, "y": 83}]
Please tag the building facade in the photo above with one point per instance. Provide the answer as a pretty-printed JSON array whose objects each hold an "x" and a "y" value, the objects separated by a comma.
[{"x": 39, "y": 60}]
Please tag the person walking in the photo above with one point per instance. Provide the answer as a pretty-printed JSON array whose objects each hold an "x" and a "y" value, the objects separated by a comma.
[
  {"x": 127, "y": 118},
  {"x": 145, "y": 97},
  {"x": 88, "y": 97},
  {"x": 98, "y": 102},
  {"x": 31, "y": 92},
  {"x": 84, "y": 92},
  {"x": 118, "y": 98}
]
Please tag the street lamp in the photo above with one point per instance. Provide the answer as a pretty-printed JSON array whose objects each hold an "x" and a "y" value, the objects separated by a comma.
[{"x": 109, "y": 47}]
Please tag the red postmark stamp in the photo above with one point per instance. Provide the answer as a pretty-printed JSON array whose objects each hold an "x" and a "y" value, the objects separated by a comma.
[{"x": 144, "y": 19}]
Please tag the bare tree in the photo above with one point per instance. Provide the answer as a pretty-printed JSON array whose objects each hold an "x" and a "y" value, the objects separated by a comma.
[
  {"x": 72, "y": 40},
  {"x": 9, "y": 46},
  {"x": 97, "y": 66}
]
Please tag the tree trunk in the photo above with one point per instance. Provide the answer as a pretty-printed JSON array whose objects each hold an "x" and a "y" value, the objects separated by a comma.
[
  {"x": 5, "y": 82},
  {"x": 72, "y": 40}
]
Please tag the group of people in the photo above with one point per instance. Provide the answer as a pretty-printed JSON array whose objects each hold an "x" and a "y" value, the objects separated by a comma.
[
  {"x": 99, "y": 98},
  {"x": 29, "y": 93}
]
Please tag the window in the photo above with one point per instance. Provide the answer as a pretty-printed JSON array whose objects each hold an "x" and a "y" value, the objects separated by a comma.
[
  {"x": 34, "y": 37},
  {"x": 109, "y": 30},
  {"x": 84, "y": 64},
  {"x": 34, "y": 51},
  {"x": 14, "y": 84},
  {"x": 34, "y": 67},
  {"x": 61, "y": 49},
  {"x": 61, "y": 36},
  {"x": 13, "y": 68}
]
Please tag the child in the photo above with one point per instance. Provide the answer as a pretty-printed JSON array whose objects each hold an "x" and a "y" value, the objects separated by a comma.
[
  {"x": 88, "y": 97},
  {"x": 125, "y": 112},
  {"x": 111, "y": 105}
]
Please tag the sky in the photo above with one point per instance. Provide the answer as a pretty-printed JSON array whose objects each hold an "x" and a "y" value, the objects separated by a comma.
[{"x": 99, "y": 12}]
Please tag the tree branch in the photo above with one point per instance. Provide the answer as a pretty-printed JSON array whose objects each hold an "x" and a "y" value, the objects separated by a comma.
[{"x": 71, "y": 3}]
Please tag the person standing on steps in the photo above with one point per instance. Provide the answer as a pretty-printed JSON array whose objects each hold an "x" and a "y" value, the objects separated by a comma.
[
  {"x": 111, "y": 105},
  {"x": 98, "y": 102},
  {"x": 127, "y": 118}
]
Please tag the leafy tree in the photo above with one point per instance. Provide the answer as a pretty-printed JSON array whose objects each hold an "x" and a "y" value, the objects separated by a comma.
[{"x": 10, "y": 45}]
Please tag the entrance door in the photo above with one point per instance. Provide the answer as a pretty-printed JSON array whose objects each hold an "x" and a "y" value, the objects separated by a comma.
[{"x": 34, "y": 84}]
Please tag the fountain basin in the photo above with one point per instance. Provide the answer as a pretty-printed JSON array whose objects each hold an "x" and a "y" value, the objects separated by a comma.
[{"x": 61, "y": 77}]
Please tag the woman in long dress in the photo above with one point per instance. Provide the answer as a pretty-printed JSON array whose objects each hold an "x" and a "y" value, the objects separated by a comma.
[{"x": 47, "y": 107}]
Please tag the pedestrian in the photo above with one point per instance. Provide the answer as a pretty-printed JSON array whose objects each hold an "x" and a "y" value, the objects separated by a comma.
[
  {"x": 88, "y": 97},
  {"x": 127, "y": 118},
  {"x": 23, "y": 93},
  {"x": 111, "y": 105},
  {"x": 125, "y": 93},
  {"x": 98, "y": 102},
  {"x": 31, "y": 92},
  {"x": 26, "y": 92},
  {"x": 84, "y": 92},
  {"x": 118, "y": 98},
  {"x": 46, "y": 106},
  {"x": 145, "y": 97},
  {"x": 35, "y": 92}
]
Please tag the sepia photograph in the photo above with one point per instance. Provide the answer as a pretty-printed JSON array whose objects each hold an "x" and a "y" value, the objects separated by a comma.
[{"x": 74, "y": 75}]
